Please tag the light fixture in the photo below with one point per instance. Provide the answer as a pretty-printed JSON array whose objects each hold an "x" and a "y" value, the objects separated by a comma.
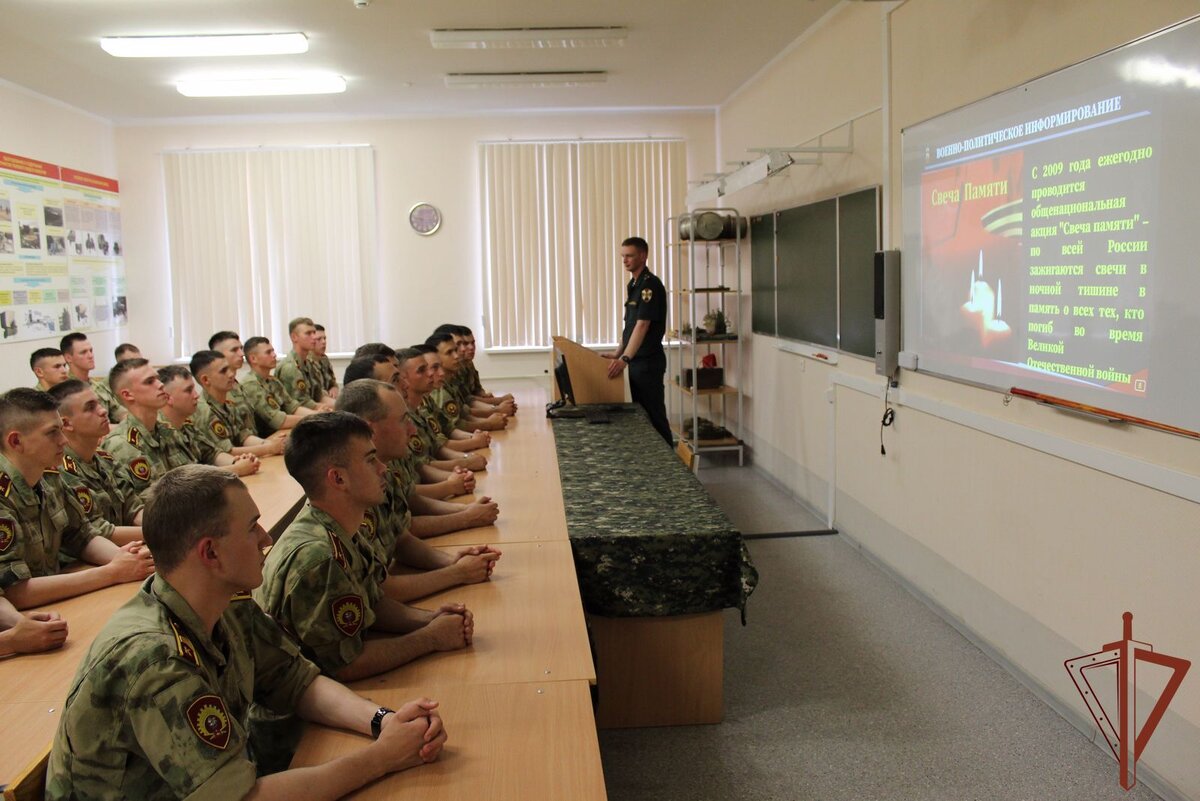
[
  {"x": 758, "y": 170},
  {"x": 241, "y": 44},
  {"x": 527, "y": 38},
  {"x": 308, "y": 84},
  {"x": 707, "y": 192},
  {"x": 538, "y": 80}
]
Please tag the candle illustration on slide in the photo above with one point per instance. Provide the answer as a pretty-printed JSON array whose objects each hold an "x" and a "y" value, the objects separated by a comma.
[{"x": 984, "y": 307}]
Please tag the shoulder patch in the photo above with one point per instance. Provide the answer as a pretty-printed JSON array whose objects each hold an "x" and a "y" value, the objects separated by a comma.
[
  {"x": 186, "y": 649},
  {"x": 243, "y": 595},
  {"x": 416, "y": 444},
  {"x": 451, "y": 408},
  {"x": 5, "y": 484},
  {"x": 85, "y": 499},
  {"x": 339, "y": 553},
  {"x": 69, "y": 465},
  {"x": 272, "y": 402},
  {"x": 370, "y": 525},
  {"x": 347, "y": 614},
  {"x": 8, "y": 533},
  {"x": 301, "y": 385},
  {"x": 435, "y": 426},
  {"x": 210, "y": 720},
  {"x": 140, "y": 468},
  {"x": 133, "y": 437},
  {"x": 219, "y": 428},
  {"x": 647, "y": 295}
]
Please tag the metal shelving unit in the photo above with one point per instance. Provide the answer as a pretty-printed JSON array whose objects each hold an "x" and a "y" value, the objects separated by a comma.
[{"x": 699, "y": 268}]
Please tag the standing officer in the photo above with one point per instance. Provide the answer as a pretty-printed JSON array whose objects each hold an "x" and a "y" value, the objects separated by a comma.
[{"x": 641, "y": 342}]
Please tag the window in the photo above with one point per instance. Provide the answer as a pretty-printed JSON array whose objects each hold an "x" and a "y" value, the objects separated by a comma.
[
  {"x": 554, "y": 215},
  {"x": 257, "y": 237}
]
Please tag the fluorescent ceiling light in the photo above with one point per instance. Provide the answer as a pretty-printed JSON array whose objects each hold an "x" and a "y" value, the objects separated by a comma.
[
  {"x": 315, "y": 84},
  {"x": 706, "y": 192},
  {"x": 539, "y": 80},
  {"x": 242, "y": 44},
  {"x": 527, "y": 38}
]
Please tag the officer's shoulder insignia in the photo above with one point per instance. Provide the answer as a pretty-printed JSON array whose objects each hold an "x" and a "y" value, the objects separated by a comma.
[
  {"x": 85, "y": 499},
  {"x": 647, "y": 294},
  {"x": 339, "y": 553},
  {"x": 219, "y": 428},
  {"x": 69, "y": 465},
  {"x": 416, "y": 444},
  {"x": 140, "y": 468},
  {"x": 186, "y": 649},
  {"x": 104, "y": 455},
  {"x": 8, "y": 533},
  {"x": 133, "y": 437},
  {"x": 347, "y": 614},
  {"x": 369, "y": 525},
  {"x": 5, "y": 484},
  {"x": 210, "y": 720},
  {"x": 242, "y": 595}
]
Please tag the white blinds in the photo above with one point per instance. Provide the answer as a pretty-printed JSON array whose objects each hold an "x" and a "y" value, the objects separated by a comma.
[
  {"x": 257, "y": 237},
  {"x": 554, "y": 215}
]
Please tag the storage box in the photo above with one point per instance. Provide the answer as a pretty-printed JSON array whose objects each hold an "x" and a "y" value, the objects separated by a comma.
[{"x": 707, "y": 377}]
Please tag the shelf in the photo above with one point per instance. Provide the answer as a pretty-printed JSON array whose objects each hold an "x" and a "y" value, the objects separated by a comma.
[
  {"x": 718, "y": 340},
  {"x": 707, "y": 443},
  {"x": 721, "y": 390}
]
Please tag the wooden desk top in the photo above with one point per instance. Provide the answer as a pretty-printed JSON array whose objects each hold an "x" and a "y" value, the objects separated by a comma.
[
  {"x": 277, "y": 494},
  {"x": 520, "y": 741},
  {"x": 529, "y": 626}
]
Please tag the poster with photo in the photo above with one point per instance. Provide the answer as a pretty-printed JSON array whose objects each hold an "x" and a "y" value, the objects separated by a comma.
[{"x": 60, "y": 250}]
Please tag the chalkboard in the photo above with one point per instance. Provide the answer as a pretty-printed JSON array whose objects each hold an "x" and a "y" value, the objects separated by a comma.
[
  {"x": 762, "y": 274},
  {"x": 806, "y": 272},
  {"x": 858, "y": 239}
]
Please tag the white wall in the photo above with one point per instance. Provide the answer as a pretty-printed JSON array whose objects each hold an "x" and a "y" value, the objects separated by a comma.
[
  {"x": 426, "y": 280},
  {"x": 45, "y": 129},
  {"x": 1034, "y": 554}
]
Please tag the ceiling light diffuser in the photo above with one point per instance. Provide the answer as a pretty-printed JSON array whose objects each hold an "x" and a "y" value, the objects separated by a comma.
[
  {"x": 527, "y": 38},
  {"x": 315, "y": 84},
  {"x": 537, "y": 80},
  {"x": 241, "y": 44}
]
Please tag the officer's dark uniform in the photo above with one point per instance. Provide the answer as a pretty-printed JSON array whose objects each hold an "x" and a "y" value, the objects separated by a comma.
[{"x": 647, "y": 300}]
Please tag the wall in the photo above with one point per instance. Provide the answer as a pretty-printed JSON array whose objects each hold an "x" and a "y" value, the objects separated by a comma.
[
  {"x": 988, "y": 510},
  {"x": 426, "y": 280},
  {"x": 42, "y": 128}
]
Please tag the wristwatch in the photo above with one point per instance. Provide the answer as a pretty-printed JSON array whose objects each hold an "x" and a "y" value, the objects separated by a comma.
[
  {"x": 377, "y": 721},
  {"x": 625, "y": 358}
]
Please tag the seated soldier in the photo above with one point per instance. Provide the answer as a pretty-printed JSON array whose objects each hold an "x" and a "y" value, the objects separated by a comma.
[
  {"x": 89, "y": 471},
  {"x": 200, "y": 441},
  {"x": 274, "y": 410},
  {"x": 387, "y": 526},
  {"x": 39, "y": 515},
  {"x": 458, "y": 439},
  {"x": 229, "y": 345},
  {"x": 29, "y": 632},
  {"x": 127, "y": 350},
  {"x": 220, "y": 414},
  {"x": 298, "y": 374},
  {"x": 328, "y": 379},
  {"x": 49, "y": 366},
  {"x": 444, "y": 446},
  {"x": 159, "y": 705},
  {"x": 321, "y": 586},
  {"x": 474, "y": 394},
  {"x": 379, "y": 366},
  {"x": 450, "y": 397},
  {"x": 81, "y": 360}
]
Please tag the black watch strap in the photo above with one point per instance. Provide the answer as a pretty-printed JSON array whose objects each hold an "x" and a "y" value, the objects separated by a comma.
[
  {"x": 377, "y": 721},
  {"x": 625, "y": 359}
]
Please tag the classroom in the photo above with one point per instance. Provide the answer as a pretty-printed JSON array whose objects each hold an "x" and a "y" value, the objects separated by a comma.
[{"x": 1027, "y": 531}]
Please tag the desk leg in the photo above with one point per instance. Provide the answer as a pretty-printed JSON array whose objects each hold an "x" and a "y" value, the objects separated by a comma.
[{"x": 658, "y": 671}]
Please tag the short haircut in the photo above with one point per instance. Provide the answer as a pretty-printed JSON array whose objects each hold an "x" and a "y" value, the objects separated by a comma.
[
  {"x": 319, "y": 442},
  {"x": 361, "y": 398},
  {"x": 363, "y": 367},
  {"x": 371, "y": 348},
  {"x": 201, "y": 359},
  {"x": 219, "y": 337},
  {"x": 72, "y": 386},
  {"x": 67, "y": 343},
  {"x": 181, "y": 508},
  {"x": 446, "y": 328},
  {"x": 254, "y": 343},
  {"x": 466, "y": 331},
  {"x": 125, "y": 347},
  {"x": 296, "y": 322},
  {"x": 636, "y": 242},
  {"x": 318, "y": 326},
  {"x": 173, "y": 372},
  {"x": 19, "y": 407},
  {"x": 116, "y": 376},
  {"x": 404, "y": 354},
  {"x": 436, "y": 339},
  {"x": 424, "y": 348},
  {"x": 43, "y": 353}
]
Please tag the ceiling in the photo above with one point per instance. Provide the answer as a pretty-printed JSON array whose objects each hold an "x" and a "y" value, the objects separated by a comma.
[{"x": 679, "y": 53}]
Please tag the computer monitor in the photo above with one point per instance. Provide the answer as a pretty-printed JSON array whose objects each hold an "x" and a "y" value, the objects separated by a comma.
[{"x": 563, "y": 378}]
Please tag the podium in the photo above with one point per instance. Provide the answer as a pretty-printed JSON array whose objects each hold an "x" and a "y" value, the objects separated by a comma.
[{"x": 589, "y": 374}]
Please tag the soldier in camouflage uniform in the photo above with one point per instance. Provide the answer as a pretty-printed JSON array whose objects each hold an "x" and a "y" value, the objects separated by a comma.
[
  {"x": 324, "y": 367},
  {"x": 220, "y": 414},
  {"x": 449, "y": 395},
  {"x": 90, "y": 472},
  {"x": 81, "y": 359},
  {"x": 40, "y": 515},
  {"x": 159, "y": 706},
  {"x": 206, "y": 443},
  {"x": 274, "y": 409},
  {"x": 49, "y": 366},
  {"x": 450, "y": 437},
  {"x": 474, "y": 383},
  {"x": 298, "y": 374},
  {"x": 229, "y": 345},
  {"x": 462, "y": 377}
]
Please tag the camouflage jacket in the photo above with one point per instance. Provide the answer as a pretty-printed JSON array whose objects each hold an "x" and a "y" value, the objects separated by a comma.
[
  {"x": 321, "y": 587},
  {"x": 473, "y": 384},
  {"x": 196, "y": 438},
  {"x": 384, "y": 524},
  {"x": 116, "y": 411},
  {"x": 444, "y": 408},
  {"x": 158, "y": 708},
  {"x": 268, "y": 401},
  {"x": 143, "y": 455},
  {"x": 430, "y": 423},
  {"x": 229, "y": 420},
  {"x": 107, "y": 501},
  {"x": 36, "y": 523},
  {"x": 324, "y": 368},
  {"x": 301, "y": 381}
]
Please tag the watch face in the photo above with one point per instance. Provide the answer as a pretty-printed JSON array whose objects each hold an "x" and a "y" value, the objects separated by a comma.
[{"x": 425, "y": 219}]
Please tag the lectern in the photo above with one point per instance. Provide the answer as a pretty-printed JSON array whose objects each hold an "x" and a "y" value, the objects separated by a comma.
[{"x": 589, "y": 374}]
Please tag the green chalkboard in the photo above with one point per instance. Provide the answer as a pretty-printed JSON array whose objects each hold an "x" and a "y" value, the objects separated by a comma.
[
  {"x": 762, "y": 274},
  {"x": 858, "y": 239},
  {"x": 806, "y": 272}
]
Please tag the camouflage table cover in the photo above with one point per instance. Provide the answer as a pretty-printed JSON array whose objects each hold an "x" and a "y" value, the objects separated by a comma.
[{"x": 648, "y": 539}]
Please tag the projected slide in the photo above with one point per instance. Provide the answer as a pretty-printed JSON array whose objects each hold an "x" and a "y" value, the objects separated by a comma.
[{"x": 1051, "y": 234}]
